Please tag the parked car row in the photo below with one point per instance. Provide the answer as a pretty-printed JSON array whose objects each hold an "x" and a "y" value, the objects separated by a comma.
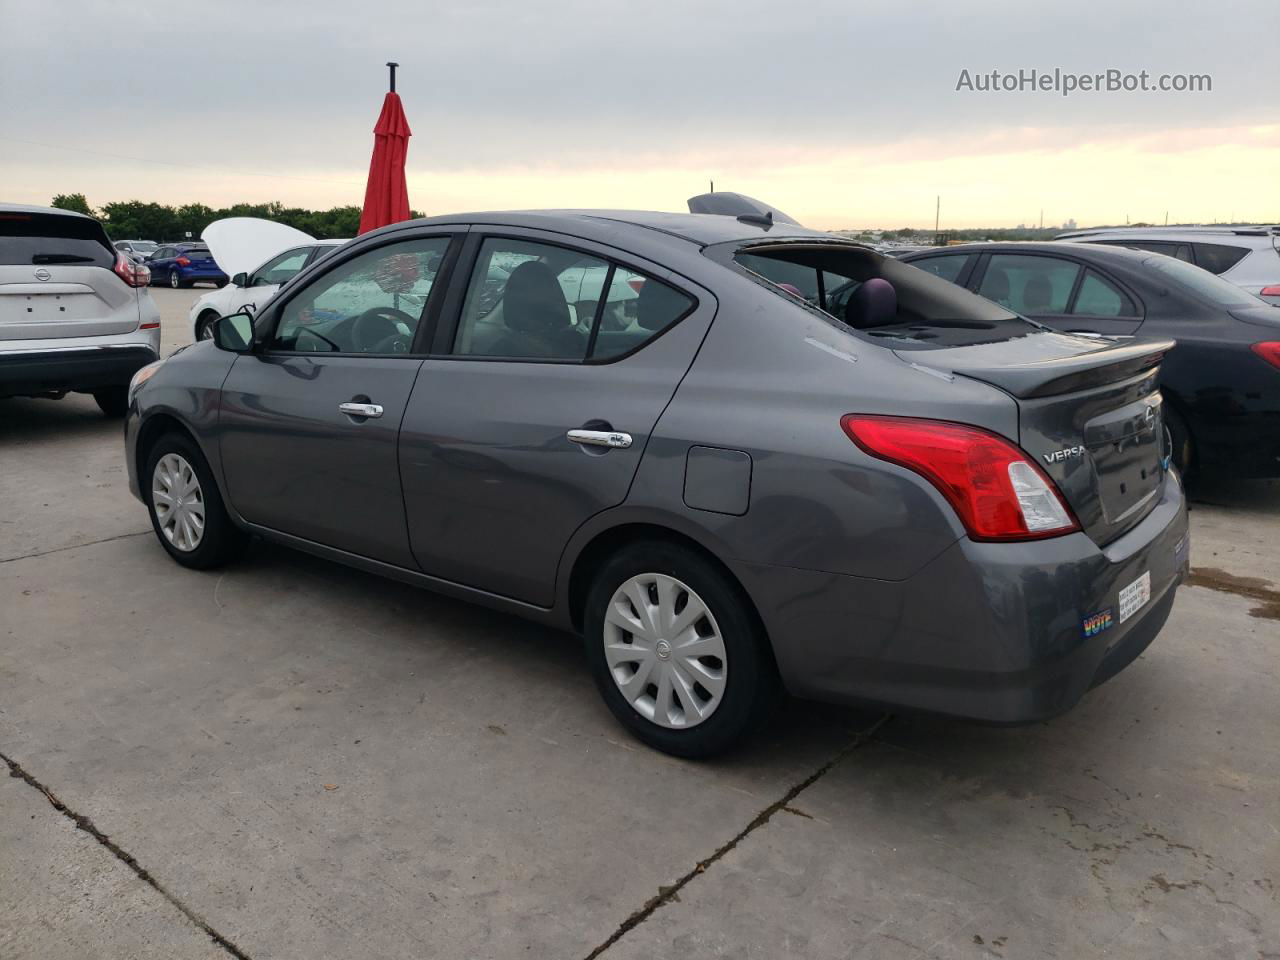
[{"x": 919, "y": 498}]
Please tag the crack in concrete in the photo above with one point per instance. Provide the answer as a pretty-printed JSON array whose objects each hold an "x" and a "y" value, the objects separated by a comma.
[
  {"x": 84, "y": 823},
  {"x": 74, "y": 546},
  {"x": 671, "y": 893}
]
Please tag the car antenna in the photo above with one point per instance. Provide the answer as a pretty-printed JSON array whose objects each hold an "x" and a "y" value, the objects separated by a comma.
[{"x": 758, "y": 220}]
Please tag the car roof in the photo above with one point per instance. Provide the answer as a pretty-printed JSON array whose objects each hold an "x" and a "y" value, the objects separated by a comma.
[
  {"x": 702, "y": 229},
  {"x": 1262, "y": 233},
  {"x": 1085, "y": 250},
  {"x": 30, "y": 208}
]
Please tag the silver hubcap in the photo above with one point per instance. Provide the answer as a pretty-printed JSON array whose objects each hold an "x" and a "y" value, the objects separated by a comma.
[
  {"x": 665, "y": 651},
  {"x": 174, "y": 281},
  {"x": 178, "y": 502}
]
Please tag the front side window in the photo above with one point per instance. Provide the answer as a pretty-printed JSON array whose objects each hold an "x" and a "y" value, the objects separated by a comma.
[
  {"x": 1029, "y": 285},
  {"x": 1099, "y": 298},
  {"x": 539, "y": 301},
  {"x": 372, "y": 303},
  {"x": 280, "y": 269}
]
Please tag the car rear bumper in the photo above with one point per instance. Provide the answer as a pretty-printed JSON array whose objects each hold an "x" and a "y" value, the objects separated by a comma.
[
  {"x": 81, "y": 368},
  {"x": 995, "y": 632}
]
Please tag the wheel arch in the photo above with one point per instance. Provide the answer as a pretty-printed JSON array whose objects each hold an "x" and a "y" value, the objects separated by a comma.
[
  {"x": 151, "y": 430},
  {"x": 611, "y": 539}
]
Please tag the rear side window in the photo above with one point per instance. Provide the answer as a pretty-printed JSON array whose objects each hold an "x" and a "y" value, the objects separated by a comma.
[
  {"x": 538, "y": 301},
  {"x": 50, "y": 238},
  {"x": 1031, "y": 286},
  {"x": 1099, "y": 298},
  {"x": 1218, "y": 257}
]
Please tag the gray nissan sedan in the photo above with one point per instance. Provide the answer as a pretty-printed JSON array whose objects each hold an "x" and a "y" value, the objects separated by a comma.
[{"x": 656, "y": 430}]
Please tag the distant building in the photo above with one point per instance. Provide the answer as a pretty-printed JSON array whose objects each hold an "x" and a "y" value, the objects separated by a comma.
[{"x": 1069, "y": 225}]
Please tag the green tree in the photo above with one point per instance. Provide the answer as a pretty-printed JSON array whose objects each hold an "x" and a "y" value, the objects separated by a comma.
[{"x": 73, "y": 201}]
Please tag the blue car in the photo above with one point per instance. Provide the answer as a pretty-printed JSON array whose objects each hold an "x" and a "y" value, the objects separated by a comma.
[{"x": 180, "y": 265}]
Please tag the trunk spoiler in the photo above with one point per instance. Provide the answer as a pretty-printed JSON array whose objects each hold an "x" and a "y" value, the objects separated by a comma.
[
  {"x": 1051, "y": 367},
  {"x": 738, "y": 205}
]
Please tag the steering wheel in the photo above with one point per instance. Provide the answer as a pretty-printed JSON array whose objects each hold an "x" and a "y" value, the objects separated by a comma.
[{"x": 376, "y": 331}]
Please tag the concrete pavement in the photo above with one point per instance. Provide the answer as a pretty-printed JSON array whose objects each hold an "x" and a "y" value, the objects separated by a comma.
[{"x": 292, "y": 759}]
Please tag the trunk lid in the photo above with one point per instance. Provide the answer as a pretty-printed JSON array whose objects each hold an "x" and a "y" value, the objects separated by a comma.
[{"x": 1089, "y": 411}]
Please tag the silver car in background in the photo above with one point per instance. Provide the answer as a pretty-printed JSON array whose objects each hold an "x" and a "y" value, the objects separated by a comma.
[
  {"x": 725, "y": 487},
  {"x": 75, "y": 312}
]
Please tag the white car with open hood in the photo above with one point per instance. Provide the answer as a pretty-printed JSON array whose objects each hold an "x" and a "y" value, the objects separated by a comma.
[{"x": 258, "y": 255}]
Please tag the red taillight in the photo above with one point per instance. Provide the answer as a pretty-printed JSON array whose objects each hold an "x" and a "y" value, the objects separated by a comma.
[
  {"x": 134, "y": 274},
  {"x": 1268, "y": 351},
  {"x": 148, "y": 326},
  {"x": 183, "y": 262},
  {"x": 996, "y": 489},
  {"x": 1271, "y": 291}
]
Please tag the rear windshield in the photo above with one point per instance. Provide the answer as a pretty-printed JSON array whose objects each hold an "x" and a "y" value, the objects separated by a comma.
[
  {"x": 196, "y": 253},
  {"x": 50, "y": 238},
  {"x": 1201, "y": 284},
  {"x": 916, "y": 310},
  {"x": 143, "y": 246}
]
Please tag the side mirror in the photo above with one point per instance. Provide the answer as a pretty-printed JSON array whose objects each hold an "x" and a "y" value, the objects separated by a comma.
[
  {"x": 234, "y": 333},
  {"x": 240, "y": 280}
]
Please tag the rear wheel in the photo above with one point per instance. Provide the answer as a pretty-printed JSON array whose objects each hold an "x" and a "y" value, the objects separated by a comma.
[
  {"x": 186, "y": 509},
  {"x": 175, "y": 280},
  {"x": 112, "y": 401},
  {"x": 676, "y": 651},
  {"x": 1184, "y": 448}
]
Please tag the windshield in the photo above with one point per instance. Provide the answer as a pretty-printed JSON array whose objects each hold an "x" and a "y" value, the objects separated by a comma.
[
  {"x": 142, "y": 246},
  {"x": 1201, "y": 284},
  {"x": 900, "y": 302}
]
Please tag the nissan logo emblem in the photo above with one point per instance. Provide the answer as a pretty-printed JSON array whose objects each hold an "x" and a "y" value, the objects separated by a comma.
[{"x": 43, "y": 274}]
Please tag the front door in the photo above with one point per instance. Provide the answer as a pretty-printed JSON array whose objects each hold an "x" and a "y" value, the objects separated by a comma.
[
  {"x": 538, "y": 416},
  {"x": 309, "y": 425}
]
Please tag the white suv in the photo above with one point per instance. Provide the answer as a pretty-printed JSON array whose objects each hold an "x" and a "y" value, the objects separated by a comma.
[
  {"x": 75, "y": 313},
  {"x": 1249, "y": 257}
]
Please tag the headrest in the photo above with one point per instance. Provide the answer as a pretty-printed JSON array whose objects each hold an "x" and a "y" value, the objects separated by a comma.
[
  {"x": 874, "y": 304},
  {"x": 533, "y": 301}
]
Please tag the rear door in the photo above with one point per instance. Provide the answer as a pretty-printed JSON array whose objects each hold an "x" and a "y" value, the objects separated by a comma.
[
  {"x": 497, "y": 475},
  {"x": 57, "y": 281},
  {"x": 1060, "y": 292},
  {"x": 309, "y": 425}
]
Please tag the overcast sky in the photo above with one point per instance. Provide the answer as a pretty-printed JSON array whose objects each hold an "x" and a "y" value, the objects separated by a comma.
[{"x": 841, "y": 112}]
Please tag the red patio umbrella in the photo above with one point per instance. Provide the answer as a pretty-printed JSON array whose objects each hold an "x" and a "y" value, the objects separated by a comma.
[{"x": 386, "y": 198}]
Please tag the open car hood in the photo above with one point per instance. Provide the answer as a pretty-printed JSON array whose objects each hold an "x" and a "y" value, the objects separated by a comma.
[{"x": 242, "y": 244}]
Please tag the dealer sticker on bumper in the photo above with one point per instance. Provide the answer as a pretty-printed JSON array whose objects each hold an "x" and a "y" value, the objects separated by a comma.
[{"x": 1135, "y": 596}]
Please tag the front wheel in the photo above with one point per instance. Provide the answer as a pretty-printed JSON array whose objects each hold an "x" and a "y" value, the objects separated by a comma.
[
  {"x": 204, "y": 325},
  {"x": 676, "y": 651},
  {"x": 186, "y": 509}
]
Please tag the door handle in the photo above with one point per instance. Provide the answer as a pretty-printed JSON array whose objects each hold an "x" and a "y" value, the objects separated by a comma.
[
  {"x": 600, "y": 438},
  {"x": 366, "y": 410}
]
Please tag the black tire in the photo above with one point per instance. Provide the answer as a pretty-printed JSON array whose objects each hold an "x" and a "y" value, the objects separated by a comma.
[
  {"x": 222, "y": 541},
  {"x": 751, "y": 687},
  {"x": 204, "y": 325},
  {"x": 112, "y": 401},
  {"x": 1184, "y": 446}
]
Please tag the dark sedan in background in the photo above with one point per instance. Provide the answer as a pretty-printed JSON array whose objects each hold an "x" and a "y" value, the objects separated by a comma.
[
  {"x": 1221, "y": 383},
  {"x": 181, "y": 265}
]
